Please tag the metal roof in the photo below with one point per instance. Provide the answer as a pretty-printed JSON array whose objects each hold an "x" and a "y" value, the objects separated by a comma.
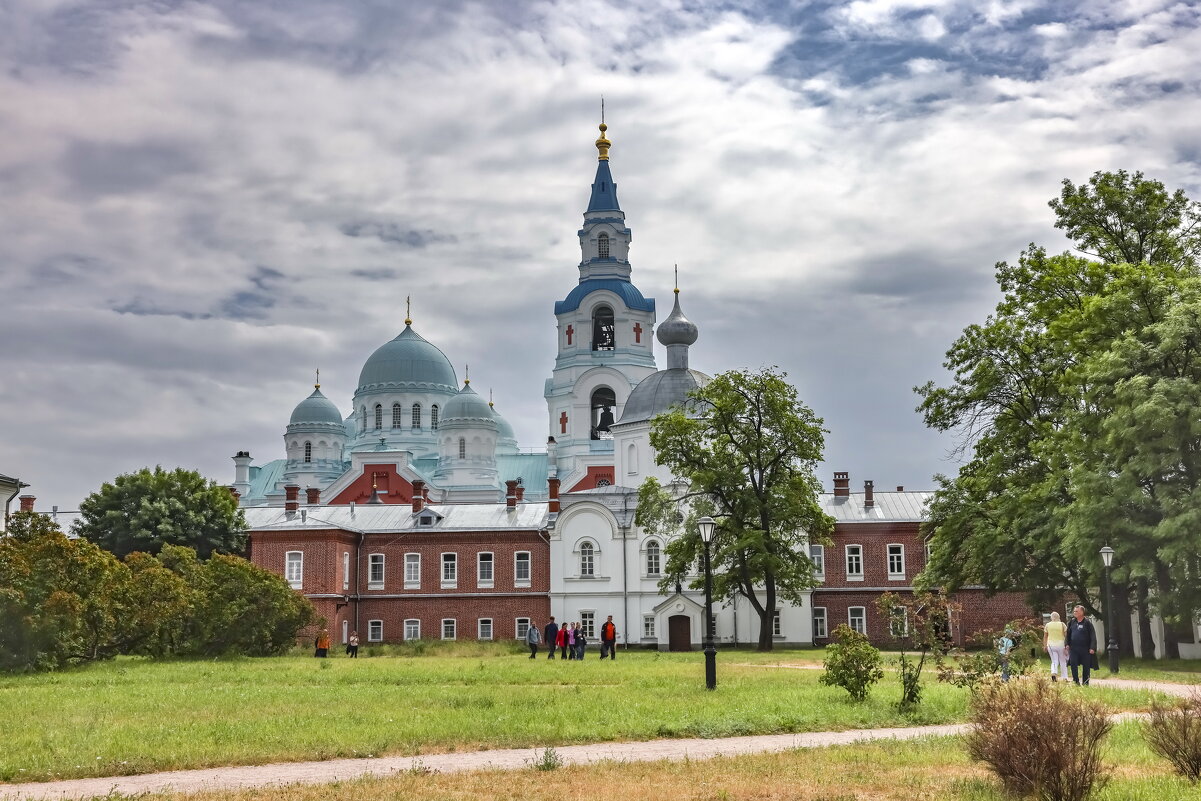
[
  {"x": 400, "y": 517},
  {"x": 890, "y": 507}
]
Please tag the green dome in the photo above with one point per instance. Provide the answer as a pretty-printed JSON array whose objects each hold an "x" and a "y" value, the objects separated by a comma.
[
  {"x": 468, "y": 406},
  {"x": 316, "y": 408},
  {"x": 408, "y": 362}
]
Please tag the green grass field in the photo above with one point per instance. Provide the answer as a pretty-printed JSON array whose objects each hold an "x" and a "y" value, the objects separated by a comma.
[{"x": 136, "y": 716}]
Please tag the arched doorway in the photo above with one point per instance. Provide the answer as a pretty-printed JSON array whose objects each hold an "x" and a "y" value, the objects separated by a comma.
[{"x": 679, "y": 633}]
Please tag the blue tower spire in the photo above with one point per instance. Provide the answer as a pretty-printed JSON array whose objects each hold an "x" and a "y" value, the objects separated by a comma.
[{"x": 604, "y": 188}]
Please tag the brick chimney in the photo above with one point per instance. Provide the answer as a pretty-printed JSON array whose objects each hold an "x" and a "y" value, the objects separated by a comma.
[
  {"x": 869, "y": 496},
  {"x": 27, "y": 502},
  {"x": 291, "y": 498},
  {"x": 553, "y": 492},
  {"x": 237, "y": 496},
  {"x": 511, "y": 495},
  {"x": 312, "y": 496},
  {"x": 842, "y": 485},
  {"x": 419, "y": 491}
]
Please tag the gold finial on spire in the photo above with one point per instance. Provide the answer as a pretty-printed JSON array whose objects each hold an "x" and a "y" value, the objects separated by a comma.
[
  {"x": 491, "y": 405},
  {"x": 602, "y": 143},
  {"x": 677, "y": 289},
  {"x": 318, "y": 384},
  {"x": 466, "y": 374},
  {"x": 408, "y": 309}
]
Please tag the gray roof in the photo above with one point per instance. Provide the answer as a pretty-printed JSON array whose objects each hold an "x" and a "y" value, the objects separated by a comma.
[
  {"x": 661, "y": 391},
  {"x": 400, "y": 517},
  {"x": 890, "y": 507},
  {"x": 316, "y": 408}
]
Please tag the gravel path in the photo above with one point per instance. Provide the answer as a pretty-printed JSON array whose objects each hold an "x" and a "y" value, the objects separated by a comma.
[{"x": 191, "y": 781}]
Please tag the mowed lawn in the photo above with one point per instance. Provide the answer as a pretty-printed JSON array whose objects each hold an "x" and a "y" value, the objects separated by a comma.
[{"x": 137, "y": 716}]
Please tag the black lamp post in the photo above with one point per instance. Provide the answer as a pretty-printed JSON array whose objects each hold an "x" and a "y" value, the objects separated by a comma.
[
  {"x": 1111, "y": 635},
  {"x": 707, "y": 525}
]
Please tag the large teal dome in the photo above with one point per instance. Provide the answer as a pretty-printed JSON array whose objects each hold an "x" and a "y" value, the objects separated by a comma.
[
  {"x": 316, "y": 408},
  {"x": 409, "y": 362}
]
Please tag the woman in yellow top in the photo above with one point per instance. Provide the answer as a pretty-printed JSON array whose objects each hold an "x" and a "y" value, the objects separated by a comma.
[{"x": 1054, "y": 636}]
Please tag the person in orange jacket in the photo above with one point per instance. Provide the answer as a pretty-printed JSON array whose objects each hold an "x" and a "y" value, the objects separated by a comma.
[
  {"x": 321, "y": 644},
  {"x": 609, "y": 638}
]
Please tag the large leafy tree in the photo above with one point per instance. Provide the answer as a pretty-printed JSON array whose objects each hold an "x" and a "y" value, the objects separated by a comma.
[
  {"x": 746, "y": 446},
  {"x": 1076, "y": 399},
  {"x": 145, "y": 510}
]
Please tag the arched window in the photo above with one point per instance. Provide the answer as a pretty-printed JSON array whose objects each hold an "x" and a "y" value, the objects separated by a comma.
[
  {"x": 602, "y": 245},
  {"x": 653, "y": 567},
  {"x": 397, "y": 415},
  {"x": 379, "y": 416},
  {"x": 308, "y": 451},
  {"x": 462, "y": 447},
  {"x": 603, "y": 337},
  {"x": 604, "y": 401},
  {"x": 632, "y": 459},
  {"x": 363, "y": 418},
  {"x": 434, "y": 417},
  {"x": 587, "y": 559},
  {"x": 416, "y": 415}
]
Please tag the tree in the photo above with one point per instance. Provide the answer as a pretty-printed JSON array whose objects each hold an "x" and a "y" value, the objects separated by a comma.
[
  {"x": 918, "y": 623},
  {"x": 1076, "y": 399},
  {"x": 146, "y": 510},
  {"x": 747, "y": 447}
]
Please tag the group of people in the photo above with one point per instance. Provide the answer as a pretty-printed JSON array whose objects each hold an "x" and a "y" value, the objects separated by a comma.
[
  {"x": 321, "y": 645},
  {"x": 570, "y": 639},
  {"x": 1072, "y": 644}
]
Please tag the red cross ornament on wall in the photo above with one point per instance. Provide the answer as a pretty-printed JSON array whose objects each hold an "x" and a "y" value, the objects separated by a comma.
[
  {"x": 563, "y": 422},
  {"x": 570, "y": 331},
  {"x": 637, "y": 332}
]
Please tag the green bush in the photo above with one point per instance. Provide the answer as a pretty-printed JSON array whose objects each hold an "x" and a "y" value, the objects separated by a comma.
[
  {"x": 1174, "y": 732},
  {"x": 851, "y": 663}
]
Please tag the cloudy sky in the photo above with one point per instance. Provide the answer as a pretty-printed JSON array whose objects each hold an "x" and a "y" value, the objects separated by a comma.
[{"x": 201, "y": 203}]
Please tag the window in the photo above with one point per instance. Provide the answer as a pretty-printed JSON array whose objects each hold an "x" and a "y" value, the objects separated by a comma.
[
  {"x": 308, "y": 452},
  {"x": 604, "y": 401},
  {"x": 898, "y": 624},
  {"x": 416, "y": 415},
  {"x": 632, "y": 460},
  {"x": 854, "y": 563},
  {"x": 648, "y": 627},
  {"x": 777, "y": 630},
  {"x": 484, "y": 570},
  {"x": 379, "y": 416},
  {"x": 896, "y": 561},
  {"x": 462, "y": 448},
  {"x": 294, "y": 569},
  {"x": 587, "y": 560},
  {"x": 434, "y": 417},
  {"x": 857, "y": 619},
  {"x": 602, "y": 329},
  {"x": 375, "y": 571},
  {"x": 450, "y": 570},
  {"x": 819, "y": 622},
  {"x": 448, "y": 628},
  {"x": 521, "y": 569},
  {"x": 346, "y": 570},
  {"x": 397, "y": 415},
  {"x": 713, "y": 627},
  {"x": 602, "y": 245},
  {"x": 484, "y": 628},
  {"x": 375, "y": 631},
  {"x": 652, "y": 558},
  {"x": 588, "y": 624},
  {"x": 362, "y": 418},
  {"x": 412, "y": 629},
  {"x": 523, "y": 627},
  {"x": 345, "y": 631},
  {"x": 817, "y": 555},
  {"x": 412, "y": 571},
  {"x": 928, "y": 552}
]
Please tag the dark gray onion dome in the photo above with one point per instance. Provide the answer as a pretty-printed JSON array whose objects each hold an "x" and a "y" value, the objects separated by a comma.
[
  {"x": 408, "y": 361},
  {"x": 316, "y": 408},
  {"x": 467, "y": 406},
  {"x": 661, "y": 391},
  {"x": 677, "y": 329}
]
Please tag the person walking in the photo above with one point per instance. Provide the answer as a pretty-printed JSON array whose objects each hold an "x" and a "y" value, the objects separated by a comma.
[
  {"x": 609, "y": 638},
  {"x": 561, "y": 640},
  {"x": 580, "y": 641},
  {"x": 1081, "y": 638},
  {"x": 1004, "y": 647},
  {"x": 321, "y": 644},
  {"x": 533, "y": 639},
  {"x": 550, "y": 636},
  {"x": 352, "y": 645},
  {"x": 1055, "y": 644}
]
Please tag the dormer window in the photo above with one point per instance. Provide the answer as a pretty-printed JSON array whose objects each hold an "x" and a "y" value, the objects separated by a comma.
[
  {"x": 425, "y": 520},
  {"x": 602, "y": 245},
  {"x": 603, "y": 337}
]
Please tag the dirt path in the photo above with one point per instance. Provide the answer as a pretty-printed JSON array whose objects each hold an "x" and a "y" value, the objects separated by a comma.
[{"x": 191, "y": 781}]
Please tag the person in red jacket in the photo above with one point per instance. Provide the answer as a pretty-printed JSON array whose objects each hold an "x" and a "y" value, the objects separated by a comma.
[
  {"x": 561, "y": 641},
  {"x": 609, "y": 638}
]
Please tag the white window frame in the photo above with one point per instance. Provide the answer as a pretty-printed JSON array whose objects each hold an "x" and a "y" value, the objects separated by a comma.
[
  {"x": 346, "y": 570},
  {"x": 521, "y": 625},
  {"x": 819, "y": 613},
  {"x": 412, "y": 577},
  {"x": 294, "y": 569},
  {"x": 480, "y": 581},
  {"x": 591, "y": 549},
  {"x": 862, "y": 617},
  {"x": 903, "y": 619},
  {"x": 518, "y": 581},
  {"x": 895, "y": 575},
  {"x": 452, "y": 582},
  {"x": 374, "y": 582},
  {"x": 817, "y": 555},
  {"x": 479, "y": 628},
  {"x": 854, "y": 576},
  {"x": 375, "y": 631},
  {"x": 653, "y": 548},
  {"x": 416, "y": 624},
  {"x": 777, "y": 623},
  {"x": 397, "y": 415},
  {"x": 345, "y": 631},
  {"x": 929, "y": 550},
  {"x": 588, "y": 623},
  {"x": 454, "y": 628},
  {"x": 648, "y": 627}
]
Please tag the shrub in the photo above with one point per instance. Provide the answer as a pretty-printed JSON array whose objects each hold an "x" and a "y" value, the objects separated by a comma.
[
  {"x": 1174, "y": 732},
  {"x": 1038, "y": 740},
  {"x": 980, "y": 661},
  {"x": 851, "y": 663},
  {"x": 918, "y": 623}
]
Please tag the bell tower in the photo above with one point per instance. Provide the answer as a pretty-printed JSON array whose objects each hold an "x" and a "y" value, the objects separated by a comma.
[{"x": 605, "y": 328}]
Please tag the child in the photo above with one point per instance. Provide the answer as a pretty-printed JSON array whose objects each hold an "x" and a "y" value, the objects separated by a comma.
[{"x": 1004, "y": 646}]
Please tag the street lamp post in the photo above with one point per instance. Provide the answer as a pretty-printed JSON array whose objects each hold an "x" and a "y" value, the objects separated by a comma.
[
  {"x": 707, "y": 525},
  {"x": 1111, "y": 634}
]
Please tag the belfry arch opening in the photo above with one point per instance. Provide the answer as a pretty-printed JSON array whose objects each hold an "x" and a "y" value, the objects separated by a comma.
[
  {"x": 603, "y": 337},
  {"x": 604, "y": 401},
  {"x": 602, "y": 245}
]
